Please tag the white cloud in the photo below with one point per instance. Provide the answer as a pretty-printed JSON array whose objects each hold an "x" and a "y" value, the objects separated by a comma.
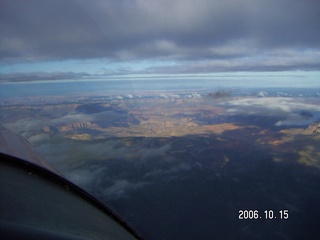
[
  {"x": 172, "y": 170},
  {"x": 121, "y": 187},
  {"x": 38, "y": 138},
  {"x": 295, "y": 119},
  {"x": 276, "y": 104},
  {"x": 85, "y": 177},
  {"x": 289, "y": 110}
]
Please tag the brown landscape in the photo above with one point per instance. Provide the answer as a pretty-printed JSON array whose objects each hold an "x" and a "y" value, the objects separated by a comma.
[
  {"x": 159, "y": 118},
  {"x": 212, "y": 154}
]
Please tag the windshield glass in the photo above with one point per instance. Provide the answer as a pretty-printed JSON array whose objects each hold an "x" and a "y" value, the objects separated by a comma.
[{"x": 190, "y": 119}]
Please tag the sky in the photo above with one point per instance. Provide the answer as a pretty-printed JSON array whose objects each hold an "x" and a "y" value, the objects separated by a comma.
[{"x": 102, "y": 39}]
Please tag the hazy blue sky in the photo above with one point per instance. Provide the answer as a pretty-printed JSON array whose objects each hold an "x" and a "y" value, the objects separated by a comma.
[{"x": 65, "y": 39}]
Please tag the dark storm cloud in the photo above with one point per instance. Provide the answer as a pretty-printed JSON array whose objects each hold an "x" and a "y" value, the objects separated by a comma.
[{"x": 168, "y": 29}]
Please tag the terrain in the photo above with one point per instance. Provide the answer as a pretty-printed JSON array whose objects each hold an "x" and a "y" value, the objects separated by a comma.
[{"x": 186, "y": 158}]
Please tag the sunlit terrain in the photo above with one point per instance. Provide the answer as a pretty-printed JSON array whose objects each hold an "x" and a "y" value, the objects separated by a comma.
[{"x": 180, "y": 164}]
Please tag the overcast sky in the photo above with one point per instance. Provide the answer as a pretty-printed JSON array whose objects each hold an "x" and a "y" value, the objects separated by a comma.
[{"x": 57, "y": 39}]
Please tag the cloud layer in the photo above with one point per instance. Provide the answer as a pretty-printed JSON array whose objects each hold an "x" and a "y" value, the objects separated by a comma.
[{"x": 202, "y": 36}]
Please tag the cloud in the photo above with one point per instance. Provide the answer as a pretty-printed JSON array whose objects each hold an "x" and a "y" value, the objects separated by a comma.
[
  {"x": 293, "y": 111},
  {"x": 153, "y": 153},
  {"x": 121, "y": 187},
  {"x": 26, "y": 127},
  {"x": 42, "y": 76},
  {"x": 283, "y": 104},
  {"x": 173, "y": 170},
  {"x": 38, "y": 138},
  {"x": 294, "y": 119},
  {"x": 224, "y": 35},
  {"x": 85, "y": 177},
  {"x": 72, "y": 118}
]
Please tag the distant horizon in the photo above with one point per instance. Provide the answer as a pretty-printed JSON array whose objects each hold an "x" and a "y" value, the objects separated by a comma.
[
  {"x": 129, "y": 86},
  {"x": 294, "y": 77}
]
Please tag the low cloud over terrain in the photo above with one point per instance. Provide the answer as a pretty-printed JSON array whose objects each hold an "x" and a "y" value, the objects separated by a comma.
[{"x": 292, "y": 111}]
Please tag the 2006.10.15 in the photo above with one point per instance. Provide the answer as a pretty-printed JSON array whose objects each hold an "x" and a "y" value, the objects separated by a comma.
[{"x": 268, "y": 214}]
